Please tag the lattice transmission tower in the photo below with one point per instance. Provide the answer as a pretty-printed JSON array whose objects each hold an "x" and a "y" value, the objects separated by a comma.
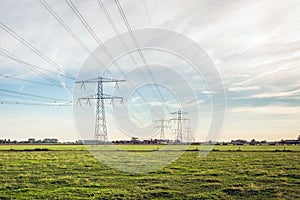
[
  {"x": 180, "y": 119},
  {"x": 100, "y": 133},
  {"x": 162, "y": 126},
  {"x": 189, "y": 136}
]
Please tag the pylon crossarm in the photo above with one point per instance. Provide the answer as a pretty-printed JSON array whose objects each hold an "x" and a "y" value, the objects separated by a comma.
[{"x": 102, "y": 79}]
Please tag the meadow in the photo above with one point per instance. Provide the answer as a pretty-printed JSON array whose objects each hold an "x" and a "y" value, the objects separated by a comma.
[{"x": 228, "y": 172}]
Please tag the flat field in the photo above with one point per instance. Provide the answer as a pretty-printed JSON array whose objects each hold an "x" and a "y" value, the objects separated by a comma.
[{"x": 228, "y": 172}]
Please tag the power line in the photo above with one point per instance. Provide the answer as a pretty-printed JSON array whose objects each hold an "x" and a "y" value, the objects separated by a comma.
[
  {"x": 123, "y": 15},
  {"x": 64, "y": 25},
  {"x": 10, "y": 56},
  {"x": 32, "y": 104},
  {"x": 32, "y": 95},
  {"x": 111, "y": 22},
  {"x": 28, "y": 81},
  {"x": 35, "y": 50},
  {"x": 16, "y": 96},
  {"x": 83, "y": 21},
  {"x": 33, "y": 68},
  {"x": 68, "y": 29},
  {"x": 92, "y": 33}
]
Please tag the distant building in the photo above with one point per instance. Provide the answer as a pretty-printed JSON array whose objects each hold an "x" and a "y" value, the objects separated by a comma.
[
  {"x": 239, "y": 142},
  {"x": 31, "y": 140},
  {"x": 50, "y": 141}
]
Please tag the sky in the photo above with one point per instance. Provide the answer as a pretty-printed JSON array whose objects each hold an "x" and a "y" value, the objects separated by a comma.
[{"x": 254, "y": 45}]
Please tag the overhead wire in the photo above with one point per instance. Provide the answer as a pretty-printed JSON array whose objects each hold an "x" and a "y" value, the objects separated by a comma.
[
  {"x": 125, "y": 20},
  {"x": 33, "y": 68},
  {"x": 111, "y": 22},
  {"x": 68, "y": 29},
  {"x": 108, "y": 17},
  {"x": 64, "y": 25},
  {"x": 114, "y": 27},
  {"x": 31, "y": 104},
  {"x": 28, "y": 81},
  {"x": 32, "y": 65},
  {"x": 32, "y": 95},
  {"x": 35, "y": 50},
  {"x": 92, "y": 33}
]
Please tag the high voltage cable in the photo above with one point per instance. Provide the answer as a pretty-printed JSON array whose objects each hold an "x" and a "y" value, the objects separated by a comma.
[
  {"x": 35, "y": 50},
  {"x": 28, "y": 66},
  {"x": 15, "y": 96},
  {"x": 31, "y": 95},
  {"x": 123, "y": 15},
  {"x": 150, "y": 23},
  {"x": 34, "y": 66},
  {"x": 24, "y": 97},
  {"x": 111, "y": 22},
  {"x": 32, "y": 104},
  {"x": 86, "y": 25},
  {"x": 29, "y": 81},
  {"x": 31, "y": 67},
  {"x": 102, "y": 6},
  {"x": 64, "y": 25},
  {"x": 84, "y": 22},
  {"x": 67, "y": 28},
  {"x": 92, "y": 33}
]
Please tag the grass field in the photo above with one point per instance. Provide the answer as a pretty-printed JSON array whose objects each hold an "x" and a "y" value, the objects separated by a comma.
[{"x": 71, "y": 172}]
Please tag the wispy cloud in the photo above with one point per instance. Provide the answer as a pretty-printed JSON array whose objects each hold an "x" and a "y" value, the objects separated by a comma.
[
  {"x": 282, "y": 94},
  {"x": 269, "y": 109},
  {"x": 246, "y": 88}
]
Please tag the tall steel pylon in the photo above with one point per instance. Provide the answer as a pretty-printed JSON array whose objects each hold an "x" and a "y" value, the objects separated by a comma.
[
  {"x": 162, "y": 127},
  {"x": 100, "y": 133},
  {"x": 179, "y": 119},
  {"x": 189, "y": 136}
]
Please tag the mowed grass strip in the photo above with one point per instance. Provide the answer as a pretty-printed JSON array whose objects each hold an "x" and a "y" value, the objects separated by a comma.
[{"x": 220, "y": 175}]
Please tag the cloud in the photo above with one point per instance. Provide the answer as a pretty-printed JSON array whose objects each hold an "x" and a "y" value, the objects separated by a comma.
[
  {"x": 268, "y": 110},
  {"x": 246, "y": 88},
  {"x": 209, "y": 92},
  {"x": 293, "y": 93}
]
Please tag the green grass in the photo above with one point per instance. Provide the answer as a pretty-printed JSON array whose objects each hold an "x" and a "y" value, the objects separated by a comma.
[
  {"x": 150, "y": 147},
  {"x": 70, "y": 172},
  {"x": 41, "y": 146}
]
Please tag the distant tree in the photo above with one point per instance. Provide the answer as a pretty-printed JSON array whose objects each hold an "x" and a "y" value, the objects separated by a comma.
[{"x": 298, "y": 137}]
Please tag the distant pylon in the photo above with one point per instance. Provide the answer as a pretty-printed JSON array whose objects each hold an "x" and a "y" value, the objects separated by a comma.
[
  {"x": 179, "y": 119},
  {"x": 162, "y": 127},
  {"x": 189, "y": 137},
  {"x": 100, "y": 133}
]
